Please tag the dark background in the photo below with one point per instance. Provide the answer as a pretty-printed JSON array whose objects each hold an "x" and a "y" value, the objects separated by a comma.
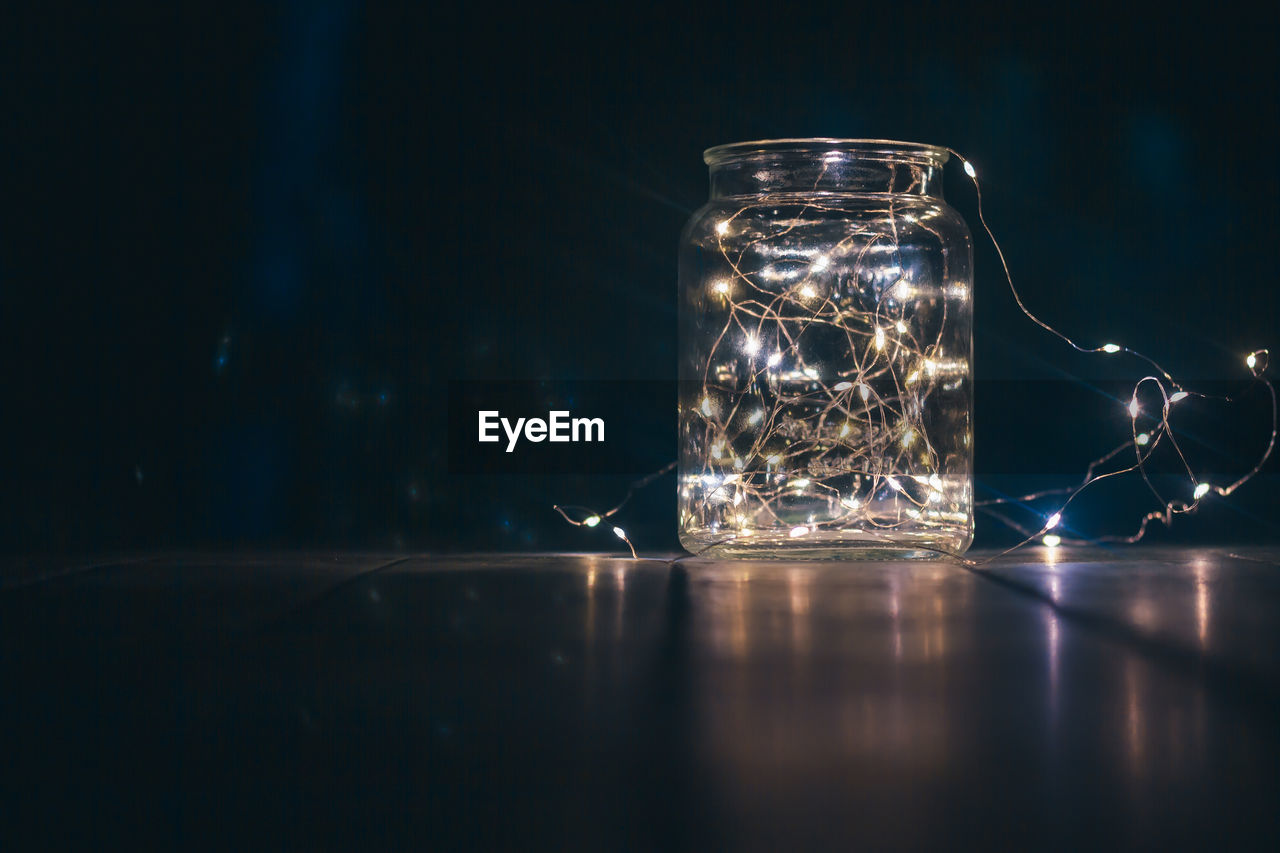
[{"x": 247, "y": 246}]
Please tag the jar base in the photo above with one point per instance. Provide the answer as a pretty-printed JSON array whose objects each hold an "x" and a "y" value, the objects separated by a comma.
[{"x": 828, "y": 546}]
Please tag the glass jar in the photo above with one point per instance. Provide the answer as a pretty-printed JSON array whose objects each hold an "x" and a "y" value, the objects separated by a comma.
[{"x": 826, "y": 380}]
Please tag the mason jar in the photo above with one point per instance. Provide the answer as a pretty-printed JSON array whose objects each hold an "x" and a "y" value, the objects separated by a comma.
[{"x": 826, "y": 340}]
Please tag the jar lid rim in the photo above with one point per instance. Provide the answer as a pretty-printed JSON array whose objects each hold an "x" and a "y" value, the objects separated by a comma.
[{"x": 721, "y": 153}]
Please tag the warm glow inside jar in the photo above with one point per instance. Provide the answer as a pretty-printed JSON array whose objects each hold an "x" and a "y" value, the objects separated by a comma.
[{"x": 826, "y": 355}]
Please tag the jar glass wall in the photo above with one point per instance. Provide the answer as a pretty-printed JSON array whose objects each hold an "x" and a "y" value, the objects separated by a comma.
[{"x": 826, "y": 388}]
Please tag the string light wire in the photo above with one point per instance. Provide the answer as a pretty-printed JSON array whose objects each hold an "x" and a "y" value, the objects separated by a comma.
[{"x": 764, "y": 307}]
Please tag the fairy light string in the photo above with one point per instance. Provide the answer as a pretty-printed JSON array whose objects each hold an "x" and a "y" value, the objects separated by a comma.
[
  {"x": 588, "y": 517},
  {"x": 869, "y": 426}
]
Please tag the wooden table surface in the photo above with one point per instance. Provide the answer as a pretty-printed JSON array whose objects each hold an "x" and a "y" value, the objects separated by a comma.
[{"x": 1064, "y": 699}]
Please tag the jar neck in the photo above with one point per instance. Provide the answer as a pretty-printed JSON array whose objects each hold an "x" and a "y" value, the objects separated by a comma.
[{"x": 825, "y": 167}]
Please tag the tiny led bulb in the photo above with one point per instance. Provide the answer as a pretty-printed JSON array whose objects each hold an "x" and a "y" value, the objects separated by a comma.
[
  {"x": 1201, "y": 491},
  {"x": 774, "y": 359},
  {"x": 722, "y": 228},
  {"x": 1143, "y": 439},
  {"x": 752, "y": 345},
  {"x": 620, "y": 533},
  {"x": 1133, "y": 408},
  {"x": 1111, "y": 348},
  {"x": 797, "y": 532},
  {"x": 1054, "y": 521},
  {"x": 592, "y": 521},
  {"x": 706, "y": 406},
  {"x": 1181, "y": 395},
  {"x": 968, "y": 169},
  {"x": 1251, "y": 361},
  {"x": 879, "y": 338},
  {"x": 721, "y": 286},
  {"x": 1052, "y": 540}
]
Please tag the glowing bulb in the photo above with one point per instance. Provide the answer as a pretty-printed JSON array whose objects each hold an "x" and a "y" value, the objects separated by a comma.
[
  {"x": 1143, "y": 439},
  {"x": 797, "y": 532},
  {"x": 902, "y": 290},
  {"x": 808, "y": 292},
  {"x": 774, "y": 459},
  {"x": 1052, "y": 540},
  {"x": 800, "y": 483},
  {"x": 968, "y": 169},
  {"x": 1111, "y": 348},
  {"x": 706, "y": 406},
  {"x": 1251, "y": 361},
  {"x": 851, "y": 502},
  {"x": 1181, "y": 395},
  {"x": 738, "y": 463},
  {"x": 752, "y": 345},
  {"x": 901, "y": 327},
  {"x": 1054, "y": 521},
  {"x": 722, "y": 228},
  {"x": 842, "y": 386},
  {"x": 721, "y": 286},
  {"x": 935, "y": 481},
  {"x": 1133, "y": 408},
  {"x": 620, "y": 533},
  {"x": 879, "y": 338},
  {"x": 893, "y": 482},
  {"x": 864, "y": 391},
  {"x": 774, "y": 359},
  {"x": 844, "y": 429},
  {"x": 757, "y": 417},
  {"x": 821, "y": 263},
  {"x": 591, "y": 521},
  {"x": 1201, "y": 491},
  {"x": 717, "y": 450},
  {"x": 908, "y": 438}
]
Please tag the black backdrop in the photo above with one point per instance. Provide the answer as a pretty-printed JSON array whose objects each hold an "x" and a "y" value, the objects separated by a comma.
[{"x": 246, "y": 246}]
